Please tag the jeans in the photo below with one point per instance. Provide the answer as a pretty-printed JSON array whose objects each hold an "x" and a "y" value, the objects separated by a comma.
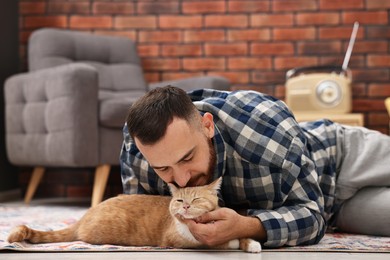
[{"x": 363, "y": 181}]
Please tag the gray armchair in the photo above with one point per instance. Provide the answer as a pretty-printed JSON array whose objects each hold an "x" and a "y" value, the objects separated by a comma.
[{"x": 69, "y": 109}]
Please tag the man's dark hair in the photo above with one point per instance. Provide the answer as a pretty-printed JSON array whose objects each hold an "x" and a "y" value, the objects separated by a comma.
[{"x": 149, "y": 117}]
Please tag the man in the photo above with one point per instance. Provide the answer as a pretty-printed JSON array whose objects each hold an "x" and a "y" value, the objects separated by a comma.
[{"x": 279, "y": 177}]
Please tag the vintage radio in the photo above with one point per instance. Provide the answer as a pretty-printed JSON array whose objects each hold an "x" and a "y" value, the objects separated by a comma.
[
  {"x": 319, "y": 89},
  {"x": 324, "y": 89}
]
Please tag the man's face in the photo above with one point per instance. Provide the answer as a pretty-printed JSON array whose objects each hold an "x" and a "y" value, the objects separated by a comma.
[{"x": 185, "y": 155}]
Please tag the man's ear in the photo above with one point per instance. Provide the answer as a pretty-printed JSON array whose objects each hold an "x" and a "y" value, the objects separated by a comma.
[{"x": 208, "y": 124}]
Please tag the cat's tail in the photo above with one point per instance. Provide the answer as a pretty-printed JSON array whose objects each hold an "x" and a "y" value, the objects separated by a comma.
[{"x": 21, "y": 233}]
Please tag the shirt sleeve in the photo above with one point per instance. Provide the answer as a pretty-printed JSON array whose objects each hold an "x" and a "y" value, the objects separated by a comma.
[
  {"x": 299, "y": 218},
  {"x": 137, "y": 175},
  {"x": 130, "y": 180}
]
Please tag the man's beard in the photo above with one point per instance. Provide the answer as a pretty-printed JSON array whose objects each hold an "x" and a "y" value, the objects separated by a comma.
[
  {"x": 212, "y": 162},
  {"x": 206, "y": 177}
]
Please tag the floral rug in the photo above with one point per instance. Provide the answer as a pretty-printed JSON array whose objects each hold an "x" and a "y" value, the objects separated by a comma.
[{"x": 57, "y": 217}]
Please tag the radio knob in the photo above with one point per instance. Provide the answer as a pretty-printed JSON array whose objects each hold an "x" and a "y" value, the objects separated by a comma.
[{"x": 329, "y": 93}]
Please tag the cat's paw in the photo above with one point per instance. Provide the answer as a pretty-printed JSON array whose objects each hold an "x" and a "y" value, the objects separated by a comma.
[
  {"x": 250, "y": 245},
  {"x": 17, "y": 234},
  {"x": 254, "y": 247}
]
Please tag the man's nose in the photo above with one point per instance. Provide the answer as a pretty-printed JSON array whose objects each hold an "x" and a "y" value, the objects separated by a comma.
[{"x": 181, "y": 178}]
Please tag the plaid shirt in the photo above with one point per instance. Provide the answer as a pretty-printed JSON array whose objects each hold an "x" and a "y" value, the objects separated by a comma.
[{"x": 282, "y": 172}]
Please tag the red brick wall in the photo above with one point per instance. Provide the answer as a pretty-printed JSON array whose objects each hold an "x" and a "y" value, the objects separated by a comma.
[{"x": 253, "y": 43}]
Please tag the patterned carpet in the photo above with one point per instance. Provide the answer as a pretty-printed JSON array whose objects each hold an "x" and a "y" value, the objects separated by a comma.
[{"x": 57, "y": 217}]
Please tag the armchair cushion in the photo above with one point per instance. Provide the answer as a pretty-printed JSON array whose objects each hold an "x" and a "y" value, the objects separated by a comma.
[
  {"x": 113, "y": 106},
  {"x": 119, "y": 77}
]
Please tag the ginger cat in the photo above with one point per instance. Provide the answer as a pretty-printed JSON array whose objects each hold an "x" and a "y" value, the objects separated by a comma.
[{"x": 141, "y": 220}]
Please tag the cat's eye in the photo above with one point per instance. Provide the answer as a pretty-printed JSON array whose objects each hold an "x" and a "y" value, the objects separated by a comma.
[
  {"x": 179, "y": 200},
  {"x": 195, "y": 199}
]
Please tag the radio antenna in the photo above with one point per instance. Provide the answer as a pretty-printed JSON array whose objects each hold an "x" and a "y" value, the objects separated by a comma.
[{"x": 350, "y": 46}]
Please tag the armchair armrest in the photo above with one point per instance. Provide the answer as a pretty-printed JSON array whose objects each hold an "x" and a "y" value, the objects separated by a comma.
[
  {"x": 51, "y": 117},
  {"x": 188, "y": 84}
]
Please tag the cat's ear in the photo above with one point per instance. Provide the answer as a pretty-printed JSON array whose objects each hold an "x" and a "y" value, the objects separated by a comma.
[
  {"x": 172, "y": 188},
  {"x": 216, "y": 185}
]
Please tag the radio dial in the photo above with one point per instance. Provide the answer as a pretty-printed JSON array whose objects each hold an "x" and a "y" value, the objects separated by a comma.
[{"x": 329, "y": 93}]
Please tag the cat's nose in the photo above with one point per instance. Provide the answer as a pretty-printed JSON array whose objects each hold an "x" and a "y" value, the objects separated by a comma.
[{"x": 186, "y": 206}]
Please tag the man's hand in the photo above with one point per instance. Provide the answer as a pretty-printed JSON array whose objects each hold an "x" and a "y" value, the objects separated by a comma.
[{"x": 224, "y": 224}]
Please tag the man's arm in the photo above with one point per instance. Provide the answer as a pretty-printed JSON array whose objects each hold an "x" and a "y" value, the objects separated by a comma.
[{"x": 295, "y": 215}]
